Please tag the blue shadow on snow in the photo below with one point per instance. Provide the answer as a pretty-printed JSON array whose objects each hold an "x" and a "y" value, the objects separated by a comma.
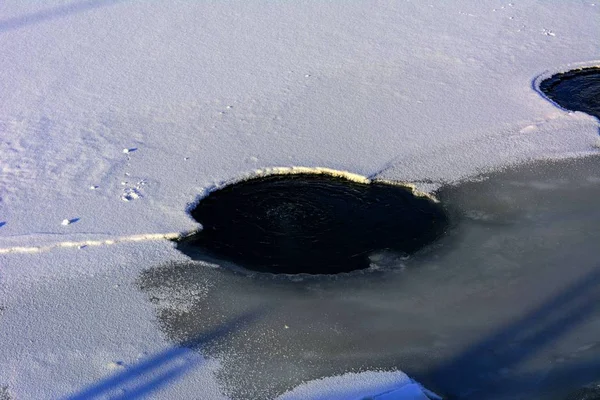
[
  {"x": 54, "y": 13},
  {"x": 163, "y": 368}
]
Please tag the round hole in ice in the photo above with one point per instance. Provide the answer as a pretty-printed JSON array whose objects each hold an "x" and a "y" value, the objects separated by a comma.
[
  {"x": 576, "y": 90},
  {"x": 311, "y": 223}
]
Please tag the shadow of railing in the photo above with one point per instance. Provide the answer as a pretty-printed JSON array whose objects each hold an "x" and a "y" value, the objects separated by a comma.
[
  {"x": 475, "y": 372},
  {"x": 54, "y": 13},
  {"x": 163, "y": 368}
]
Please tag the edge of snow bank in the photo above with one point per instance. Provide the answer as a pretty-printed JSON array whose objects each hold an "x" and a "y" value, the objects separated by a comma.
[
  {"x": 296, "y": 170},
  {"x": 377, "y": 385}
]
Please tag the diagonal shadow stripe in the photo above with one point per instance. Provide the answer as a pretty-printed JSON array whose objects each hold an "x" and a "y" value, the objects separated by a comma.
[
  {"x": 465, "y": 375},
  {"x": 54, "y": 13},
  {"x": 162, "y": 368}
]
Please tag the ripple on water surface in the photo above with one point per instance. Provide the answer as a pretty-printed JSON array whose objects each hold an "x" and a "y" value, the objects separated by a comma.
[
  {"x": 576, "y": 90},
  {"x": 312, "y": 223}
]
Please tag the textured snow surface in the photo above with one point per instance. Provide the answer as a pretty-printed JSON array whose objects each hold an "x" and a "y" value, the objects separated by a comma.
[
  {"x": 115, "y": 115},
  {"x": 353, "y": 386}
]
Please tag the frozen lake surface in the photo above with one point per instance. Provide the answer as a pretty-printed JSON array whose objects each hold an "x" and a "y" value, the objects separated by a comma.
[
  {"x": 115, "y": 115},
  {"x": 505, "y": 306}
]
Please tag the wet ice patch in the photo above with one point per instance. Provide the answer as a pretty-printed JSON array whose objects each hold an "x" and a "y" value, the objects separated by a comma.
[
  {"x": 576, "y": 90},
  {"x": 312, "y": 223},
  {"x": 504, "y": 306},
  {"x": 591, "y": 392}
]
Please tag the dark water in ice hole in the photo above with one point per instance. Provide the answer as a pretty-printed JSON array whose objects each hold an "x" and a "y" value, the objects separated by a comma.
[
  {"x": 505, "y": 306},
  {"x": 311, "y": 223},
  {"x": 576, "y": 90}
]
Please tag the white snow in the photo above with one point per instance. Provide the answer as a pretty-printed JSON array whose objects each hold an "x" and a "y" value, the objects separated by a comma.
[
  {"x": 174, "y": 97},
  {"x": 374, "y": 385}
]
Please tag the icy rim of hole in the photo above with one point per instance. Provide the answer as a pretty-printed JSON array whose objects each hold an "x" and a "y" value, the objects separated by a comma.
[
  {"x": 549, "y": 73},
  {"x": 296, "y": 170}
]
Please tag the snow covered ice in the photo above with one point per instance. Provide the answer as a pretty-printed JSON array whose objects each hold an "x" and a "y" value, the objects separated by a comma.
[{"x": 206, "y": 92}]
